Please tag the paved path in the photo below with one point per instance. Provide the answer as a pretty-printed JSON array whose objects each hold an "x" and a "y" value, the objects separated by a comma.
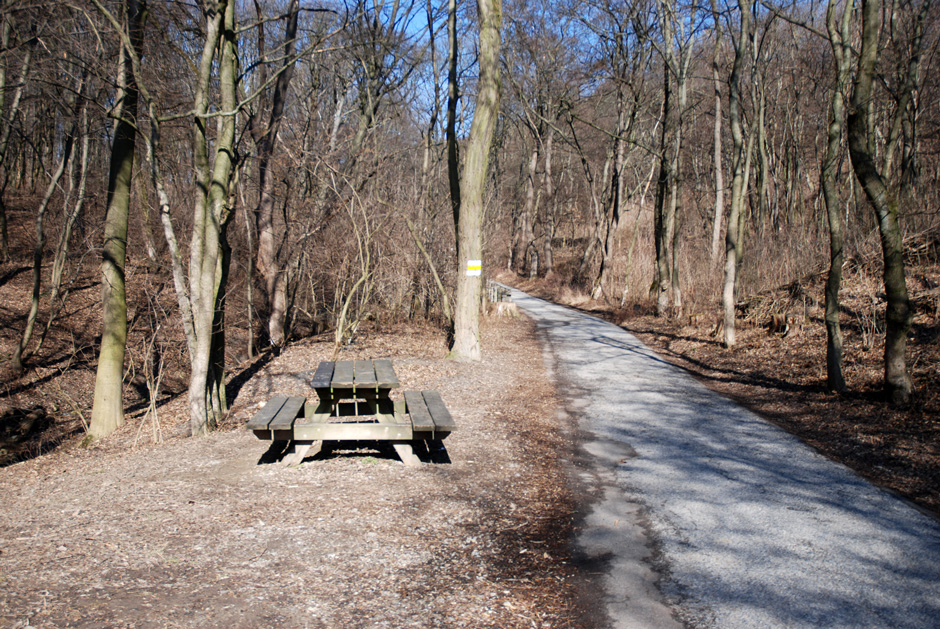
[{"x": 745, "y": 526}]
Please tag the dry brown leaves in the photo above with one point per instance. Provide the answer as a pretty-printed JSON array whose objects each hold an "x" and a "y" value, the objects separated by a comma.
[{"x": 194, "y": 532}]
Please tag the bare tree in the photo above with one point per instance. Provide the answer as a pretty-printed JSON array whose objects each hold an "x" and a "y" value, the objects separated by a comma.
[
  {"x": 840, "y": 40},
  {"x": 108, "y": 410},
  {"x": 9, "y": 111},
  {"x": 273, "y": 271},
  {"x": 472, "y": 183},
  {"x": 883, "y": 199},
  {"x": 740, "y": 164},
  {"x": 719, "y": 213}
]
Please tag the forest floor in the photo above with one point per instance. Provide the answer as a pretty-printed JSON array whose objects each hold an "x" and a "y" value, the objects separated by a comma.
[
  {"x": 153, "y": 528},
  {"x": 782, "y": 377},
  {"x": 191, "y": 532}
]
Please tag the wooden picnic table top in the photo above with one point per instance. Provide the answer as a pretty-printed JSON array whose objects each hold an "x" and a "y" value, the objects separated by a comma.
[{"x": 355, "y": 374}]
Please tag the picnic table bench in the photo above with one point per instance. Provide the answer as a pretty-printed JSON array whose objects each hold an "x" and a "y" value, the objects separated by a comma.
[{"x": 355, "y": 404}]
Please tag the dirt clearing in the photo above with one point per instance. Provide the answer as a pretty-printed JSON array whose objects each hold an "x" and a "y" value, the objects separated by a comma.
[{"x": 194, "y": 532}]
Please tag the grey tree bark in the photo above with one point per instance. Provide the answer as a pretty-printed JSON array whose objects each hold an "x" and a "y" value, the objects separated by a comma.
[
  {"x": 453, "y": 95},
  {"x": 467, "y": 345},
  {"x": 614, "y": 197},
  {"x": 676, "y": 60},
  {"x": 207, "y": 268},
  {"x": 719, "y": 169},
  {"x": 740, "y": 160},
  {"x": 272, "y": 271},
  {"x": 839, "y": 39},
  {"x": 8, "y": 112},
  {"x": 547, "y": 265},
  {"x": 898, "y": 315},
  {"x": 522, "y": 232}
]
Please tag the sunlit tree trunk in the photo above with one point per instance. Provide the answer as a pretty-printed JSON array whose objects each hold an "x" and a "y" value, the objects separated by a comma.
[
  {"x": 548, "y": 225},
  {"x": 207, "y": 260},
  {"x": 453, "y": 157},
  {"x": 662, "y": 208},
  {"x": 740, "y": 166},
  {"x": 898, "y": 315},
  {"x": 719, "y": 169},
  {"x": 681, "y": 63},
  {"x": 108, "y": 410},
  {"x": 5, "y": 30},
  {"x": 839, "y": 38},
  {"x": 473, "y": 182},
  {"x": 614, "y": 198}
]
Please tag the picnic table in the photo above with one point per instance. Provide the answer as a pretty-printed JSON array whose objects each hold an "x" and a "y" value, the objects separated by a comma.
[{"x": 355, "y": 404}]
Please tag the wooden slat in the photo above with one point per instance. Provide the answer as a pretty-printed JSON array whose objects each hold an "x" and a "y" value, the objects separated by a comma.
[
  {"x": 385, "y": 374},
  {"x": 352, "y": 431},
  {"x": 399, "y": 407},
  {"x": 263, "y": 417},
  {"x": 289, "y": 412},
  {"x": 418, "y": 410},
  {"x": 343, "y": 375},
  {"x": 364, "y": 374},
  {"x": 323, "y": 376},
  {"x": 443, "y": 422}
]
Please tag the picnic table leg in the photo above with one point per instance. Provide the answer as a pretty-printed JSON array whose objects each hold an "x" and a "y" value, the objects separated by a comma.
[
  {"x": 406, "y": 453},
  {"x": 299, "y": 451},
  {"x": 402, "y": 448}
]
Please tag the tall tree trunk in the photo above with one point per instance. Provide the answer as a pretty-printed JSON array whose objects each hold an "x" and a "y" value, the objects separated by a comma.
[
  {"x": 6, "y": 29},
  {"x": 8, "y": 114},
  {"x": 740, "y": 166},
  {"x": 898, "y": 315},
  {"x": 594, "y": 241},
  {"x": 272, "y": 270},
  {"x": 839, "y": 38},
  {"x": 107, "y": 413},
  {"x": 547, "y": 265},
  {"x": 763, "y": 157},
  {"x": 675, "y": 231},
  {"x": 661, "y": 210},
  {"x": 719, "y": 169},
  {"x": 473, "y": 183},
  {"x": 614, "y": 200},
  {"x": 522, "y": 238},
  {"x": 453, "y": 95},
  {"x": 207, "y": 259}
]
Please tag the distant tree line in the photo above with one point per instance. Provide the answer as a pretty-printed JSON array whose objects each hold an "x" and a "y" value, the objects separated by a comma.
[{"x": 293, "y": 167}]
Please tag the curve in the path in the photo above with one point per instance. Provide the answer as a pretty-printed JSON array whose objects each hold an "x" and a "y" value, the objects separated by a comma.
[{"x": 753, "y": 528}]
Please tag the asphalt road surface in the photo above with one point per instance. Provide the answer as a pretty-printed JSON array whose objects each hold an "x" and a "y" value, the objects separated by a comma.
[{"x": 709, "y": 516}]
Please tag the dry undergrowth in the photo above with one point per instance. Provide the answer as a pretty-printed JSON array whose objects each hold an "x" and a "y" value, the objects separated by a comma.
[{"x": 194, "y": 532}]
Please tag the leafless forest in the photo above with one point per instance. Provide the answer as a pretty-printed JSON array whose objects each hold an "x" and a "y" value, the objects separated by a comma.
[{"x": 285, "y": 169}]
